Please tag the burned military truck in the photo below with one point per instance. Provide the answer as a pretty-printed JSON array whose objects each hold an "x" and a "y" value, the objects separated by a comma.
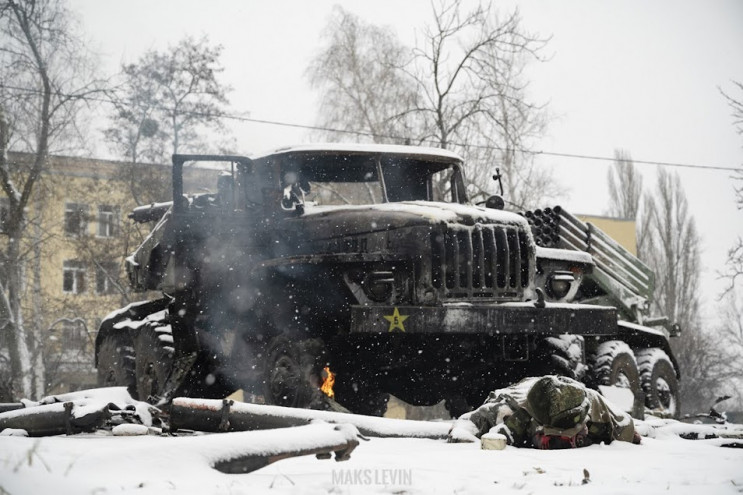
[{"x": 370, "y": 262}]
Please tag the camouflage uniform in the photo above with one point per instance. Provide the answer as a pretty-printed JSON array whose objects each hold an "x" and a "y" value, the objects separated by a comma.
[{"x": 543, "y": 408}]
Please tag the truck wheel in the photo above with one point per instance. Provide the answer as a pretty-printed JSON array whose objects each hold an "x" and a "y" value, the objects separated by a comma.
[
  {"x": 291, "y": 380},
  {"x": 115, "y": 362},
  {"x": 562, "y": 355},
  {"x": 659, "y": 382},
  {"x": 154, "y": 350},
  {"x": 614, "y": 363}
]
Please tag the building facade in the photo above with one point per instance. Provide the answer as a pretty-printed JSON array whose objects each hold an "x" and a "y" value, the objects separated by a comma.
[{"x": 76, "y": 240}]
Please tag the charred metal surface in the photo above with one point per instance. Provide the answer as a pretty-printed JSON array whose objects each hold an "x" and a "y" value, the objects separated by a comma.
[
  {"x": 54, "y": 419},
  {"x": 349, "y": 245},
  {"x": 11, "y": 406}
]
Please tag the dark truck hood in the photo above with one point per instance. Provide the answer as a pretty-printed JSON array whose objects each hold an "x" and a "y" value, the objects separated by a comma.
[{"x": 323, "y": 222}]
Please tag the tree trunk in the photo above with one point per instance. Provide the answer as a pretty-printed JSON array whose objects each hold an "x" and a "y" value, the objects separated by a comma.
[
  {"x": 37, "y": 310},
  {"x": 20, "y": 357}
]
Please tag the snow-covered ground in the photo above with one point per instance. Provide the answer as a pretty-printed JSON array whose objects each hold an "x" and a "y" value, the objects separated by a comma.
[
  {"x": 100, "y": 463},
  {"x": 104, "y": 464}
]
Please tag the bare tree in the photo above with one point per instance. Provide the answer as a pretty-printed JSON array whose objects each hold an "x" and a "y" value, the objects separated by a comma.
[
  {"x": 626, "y": 196},
  {"x": 469, "y": 73},
  {"x": 625, "y": 186},
  {"x": 736, "y": 105},
  {"x": 730, "y": 333},
  {"x": 461, "y": 88},
  {"x": 511, "y": 125},
  {"x": 166, "y": 99},
  {"x": 46, "y": 77},
  {"x": 734, "y": 264},
  {"x": 672, "y": 251},
  {"x": 359, "y": 74}
]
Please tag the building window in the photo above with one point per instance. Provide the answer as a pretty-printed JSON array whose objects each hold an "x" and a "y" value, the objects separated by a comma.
[
  {"x": 4, "y": 213},
  {"x": 108, "y": 217},
  {"x": 73, "y": 277},
  {"x": 76, "y": 219},
  {"x": 105, "y": 275},
  {"x": 73, "y": 336}
]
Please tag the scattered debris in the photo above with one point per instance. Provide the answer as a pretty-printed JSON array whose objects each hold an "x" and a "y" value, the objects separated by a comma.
[{"x": 586, "y": 477}]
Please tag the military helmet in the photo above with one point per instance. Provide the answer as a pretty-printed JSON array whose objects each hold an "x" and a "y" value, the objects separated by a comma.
[{"x": 558, "y": 402}]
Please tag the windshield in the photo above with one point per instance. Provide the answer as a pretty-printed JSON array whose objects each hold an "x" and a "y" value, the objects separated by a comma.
[{"x": 370, "y": 179}]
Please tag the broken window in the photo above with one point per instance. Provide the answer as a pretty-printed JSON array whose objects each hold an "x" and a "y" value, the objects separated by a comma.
[{"x": 76, "y": 219}]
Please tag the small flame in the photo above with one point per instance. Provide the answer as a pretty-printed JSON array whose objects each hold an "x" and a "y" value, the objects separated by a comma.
[{"x": 328, "y": 382}]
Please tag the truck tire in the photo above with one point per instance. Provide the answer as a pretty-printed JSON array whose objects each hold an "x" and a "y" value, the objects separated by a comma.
[
  {"x": 614, "y": 363},
  {"x": 115, "y": 362},
  {"x": 154, "y": 350},
  {"x": 292, "y": 378},
  {"x": 659, "y": 382},
  {"x": 561, "y": 355}
]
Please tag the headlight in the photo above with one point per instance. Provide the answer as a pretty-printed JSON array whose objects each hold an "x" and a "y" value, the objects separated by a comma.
[
  {"x": 559, "y": 284},
  {"x": 378, "y": 286}
]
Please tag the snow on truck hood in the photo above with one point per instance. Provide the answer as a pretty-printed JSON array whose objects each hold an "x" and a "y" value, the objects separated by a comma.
[{"x": 413, "y": 212}]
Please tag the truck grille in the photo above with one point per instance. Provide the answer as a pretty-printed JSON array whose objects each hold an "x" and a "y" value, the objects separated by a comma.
[{"x": 484, "y": 261}]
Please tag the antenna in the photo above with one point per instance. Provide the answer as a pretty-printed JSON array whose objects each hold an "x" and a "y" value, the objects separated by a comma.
[{"x": 497, "y": 177}]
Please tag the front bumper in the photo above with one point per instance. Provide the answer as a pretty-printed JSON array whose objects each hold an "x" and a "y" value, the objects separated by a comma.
[{"x": 487, "y": 319}]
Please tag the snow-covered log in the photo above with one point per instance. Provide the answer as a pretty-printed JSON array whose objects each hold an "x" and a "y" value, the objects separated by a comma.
[
  {"x": 253, "y": 450},
  {"x": 226, "y": 415},
  {"x": 55, "y": 419},
  {"x": 75, "y": 412}
]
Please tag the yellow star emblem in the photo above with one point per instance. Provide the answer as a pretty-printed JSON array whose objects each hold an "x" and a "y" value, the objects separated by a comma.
[{"x": 396, "y": 320}]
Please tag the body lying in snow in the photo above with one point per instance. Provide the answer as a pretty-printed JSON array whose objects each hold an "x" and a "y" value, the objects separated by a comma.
[{"x": 550, "y": 412}]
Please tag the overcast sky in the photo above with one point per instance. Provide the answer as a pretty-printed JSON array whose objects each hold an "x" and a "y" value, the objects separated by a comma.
[{"x": 637, "y": 75}]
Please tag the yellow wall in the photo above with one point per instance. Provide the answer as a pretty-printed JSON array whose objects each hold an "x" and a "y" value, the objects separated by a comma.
[
  {"x": 92, "y": 182},
  {"x": 621, "y": 230}
]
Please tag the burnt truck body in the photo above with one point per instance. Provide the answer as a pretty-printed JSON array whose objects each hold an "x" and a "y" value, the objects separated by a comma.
[{"x": 369, "y": 261}]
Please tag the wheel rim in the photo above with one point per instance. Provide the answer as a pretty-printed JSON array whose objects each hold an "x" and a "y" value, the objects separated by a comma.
[
  {"x": 665, "y": 395},
  {"x": 623, "y": 381}
]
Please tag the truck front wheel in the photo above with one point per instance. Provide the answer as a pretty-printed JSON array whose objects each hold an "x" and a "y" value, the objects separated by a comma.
[
  {"x": 561, "y": 355},
  {"x": 614, "y": 364},
  {"x": 292, "y": 374},
  {"x": 154, "y": 351},
  {"x": 115, "y": 362},
  {"x": 659, "y": 382}
]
